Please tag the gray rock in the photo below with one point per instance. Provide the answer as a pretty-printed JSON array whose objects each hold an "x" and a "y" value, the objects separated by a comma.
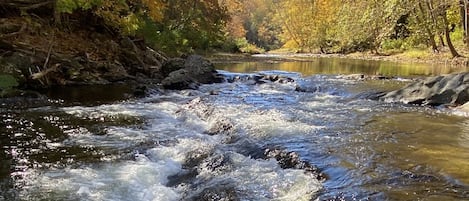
[
  {"x": 450, "y": 89},
  {"x": 113, "y": 71},
  {"x": 171, "y": 65},
  {"x": 291, "y": 160},
  {"x": 188, "y": 73},
  {"x": 180, "y": 79}
]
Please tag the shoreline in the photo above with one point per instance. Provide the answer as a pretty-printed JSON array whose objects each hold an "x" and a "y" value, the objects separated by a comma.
[{"x": 437, "y": 59}]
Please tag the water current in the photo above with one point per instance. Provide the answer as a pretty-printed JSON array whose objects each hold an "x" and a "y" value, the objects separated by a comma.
[{"x": 208, "y": 144}]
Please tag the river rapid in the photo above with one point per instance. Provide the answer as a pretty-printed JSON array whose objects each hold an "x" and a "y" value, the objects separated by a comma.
[{"x": 211, "y": 143}]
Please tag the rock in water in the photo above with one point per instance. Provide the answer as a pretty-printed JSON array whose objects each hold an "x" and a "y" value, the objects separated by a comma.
[
  {"x": 450, "y": 89},
  {"x": 292, "y": 160},
  {"x": 195, "y": 69}
]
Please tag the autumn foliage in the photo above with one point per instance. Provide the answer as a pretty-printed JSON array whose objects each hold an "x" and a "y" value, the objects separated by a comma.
[{"x": 320, "y": 26}]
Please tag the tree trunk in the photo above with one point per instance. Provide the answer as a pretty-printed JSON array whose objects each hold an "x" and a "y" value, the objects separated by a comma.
[
  {"x": 442, "y": 41},
  {"x": 464, "y": 19},
  {"x": 454, "y": 53},
  {"x": 431, "y": 36},
  {"x": 429, "y": 4}
]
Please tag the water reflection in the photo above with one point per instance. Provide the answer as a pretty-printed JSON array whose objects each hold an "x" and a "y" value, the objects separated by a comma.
[
  {"x": 345, "y": 66},
  {"x": 423, "y": 149}
]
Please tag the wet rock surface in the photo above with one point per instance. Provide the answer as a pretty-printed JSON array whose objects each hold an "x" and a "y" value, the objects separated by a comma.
[
  {"x": 449, "y": 90},
  {"x": 210, "y": 161},
  {"x": 291, "y": 160},
  {"x": 257, "y": 78},
  {"x": 189, "y": 72},
  {"x": 364, "y": 77}
]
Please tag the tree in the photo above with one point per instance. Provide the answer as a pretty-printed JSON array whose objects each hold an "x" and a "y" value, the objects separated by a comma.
[
  {"x": 306, "y": 23},
  {"x": 127, "y": 16}
]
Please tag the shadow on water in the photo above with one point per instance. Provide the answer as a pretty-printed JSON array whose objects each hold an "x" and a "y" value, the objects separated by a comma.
[
  {"x": 95, "y": 94},
  {"x": 32, "y": 135},
  {"x": 334, "y": 66}
]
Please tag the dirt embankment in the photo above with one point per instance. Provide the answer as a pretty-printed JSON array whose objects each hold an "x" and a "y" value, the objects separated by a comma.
[{"x": 36, "y": 54}]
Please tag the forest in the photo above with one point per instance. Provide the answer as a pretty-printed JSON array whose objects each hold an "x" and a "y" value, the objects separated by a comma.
[{"x": 254, "y": 26}]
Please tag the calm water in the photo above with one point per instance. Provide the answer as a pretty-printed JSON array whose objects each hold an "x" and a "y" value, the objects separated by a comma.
[
  {"x": 163, "y": 147},
  {"x": 334, "y": 66}
]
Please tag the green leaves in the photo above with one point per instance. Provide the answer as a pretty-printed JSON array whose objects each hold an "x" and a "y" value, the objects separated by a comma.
[
  {"x": 7, "y": 82},
  {"x": 68, "y": 6}
]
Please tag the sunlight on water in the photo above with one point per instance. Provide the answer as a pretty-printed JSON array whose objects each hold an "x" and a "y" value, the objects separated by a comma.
[
  {"x": 334, "y": 66},
  {"x": 172, "y": 135},
  {"x": 209, "y": 144}
]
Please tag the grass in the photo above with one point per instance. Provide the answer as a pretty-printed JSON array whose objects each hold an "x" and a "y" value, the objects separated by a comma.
[{"x": 416, "y": 54}]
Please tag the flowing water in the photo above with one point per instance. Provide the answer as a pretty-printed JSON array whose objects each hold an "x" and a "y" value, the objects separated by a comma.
[{"x": 208, "y": 144}]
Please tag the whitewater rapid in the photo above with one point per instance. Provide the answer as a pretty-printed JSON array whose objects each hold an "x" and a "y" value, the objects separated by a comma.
[{"x": 171, "y": 156}]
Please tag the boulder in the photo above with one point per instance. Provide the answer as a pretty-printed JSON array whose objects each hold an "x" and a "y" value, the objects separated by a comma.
[
  {"x": 112, "y": 71},
  {"x": 450, "y": 89},
  {"x": 188, "y": 73},
  {"x": 180, "y": 79},
  {"x": 172, "y": 65}
]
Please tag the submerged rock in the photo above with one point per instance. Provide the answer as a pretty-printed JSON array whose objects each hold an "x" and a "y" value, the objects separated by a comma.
[
  {"x": 257, "y": 78},
  {"x": 364, "y": 77},
  {"x": 291, "y": 160},
  {"x": 217, "y": 122},
  {"x": 450, "y": 89},
  {"x": 220, "y": 193}
]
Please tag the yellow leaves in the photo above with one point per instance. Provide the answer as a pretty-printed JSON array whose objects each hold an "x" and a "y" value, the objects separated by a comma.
[
  {"x": 127, "y": 15},
  {"x": 155, "y": 9},
  {"x": 307, "y": 21},
  {"x": 130, "y": 24}
]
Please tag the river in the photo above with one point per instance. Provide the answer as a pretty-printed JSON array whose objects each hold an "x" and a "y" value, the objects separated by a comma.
[{"x": 207, "y": 144}]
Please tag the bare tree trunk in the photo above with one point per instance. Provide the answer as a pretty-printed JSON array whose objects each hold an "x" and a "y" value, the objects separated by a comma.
[
  {"x": 454, "y": 53},
  {"x": 431, "y": 36},
  {"x": 464, "y": 19},
  {"x": 442, "y": 41},
  {"x": 429, "y": 4}
]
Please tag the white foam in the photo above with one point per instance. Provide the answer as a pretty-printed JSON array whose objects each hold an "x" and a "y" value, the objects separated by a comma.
[
  {"x": 269, "y": 123},
  {"x": 264, "y": 180},
  {"x": 180, "y": 151},
  {"x": 142, "y": 179},
  {"x": 145, "y": 178}
]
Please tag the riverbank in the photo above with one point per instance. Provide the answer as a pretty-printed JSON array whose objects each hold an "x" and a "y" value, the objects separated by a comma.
[
  {"x": 37, "y": 54},
  {"x": 417, "y": 56}
]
